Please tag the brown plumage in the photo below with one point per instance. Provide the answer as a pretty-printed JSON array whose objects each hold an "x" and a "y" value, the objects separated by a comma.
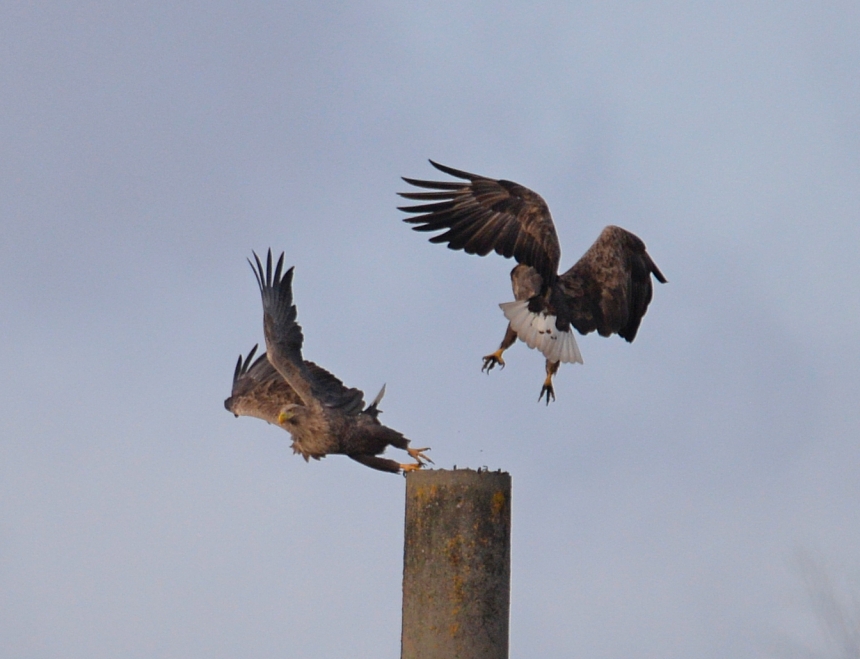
[
  {"x": 607, "y": 290},
  {"x": 321, "y": 414}
]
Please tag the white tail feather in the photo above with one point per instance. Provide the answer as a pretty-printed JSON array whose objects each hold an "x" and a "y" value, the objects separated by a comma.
[{"x": 538, "y": 330}]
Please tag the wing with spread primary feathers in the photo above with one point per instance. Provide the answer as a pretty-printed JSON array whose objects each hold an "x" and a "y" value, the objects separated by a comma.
[
  {"x": 313, "y": 384},
  {"x": 486, "y": 215},
  {"x": 610, "y": 287}
]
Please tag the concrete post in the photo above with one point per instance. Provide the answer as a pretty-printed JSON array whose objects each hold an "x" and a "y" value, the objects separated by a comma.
[{"x": 456, "y": 565}]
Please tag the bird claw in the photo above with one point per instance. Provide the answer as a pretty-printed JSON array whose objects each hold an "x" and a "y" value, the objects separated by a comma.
[
  {"x": 490, "y": 361},
  {"x": 418, "y": 455},
  {"x": 548, "y": 391},
  {"x": 415, "y": 466}
]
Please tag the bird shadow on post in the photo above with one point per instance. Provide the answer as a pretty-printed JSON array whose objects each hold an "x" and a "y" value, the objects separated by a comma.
[{"x": 456, "y": 565}]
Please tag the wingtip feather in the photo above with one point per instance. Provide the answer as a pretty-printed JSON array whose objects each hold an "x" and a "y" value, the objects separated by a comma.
[{"x": 452, "y": 172}]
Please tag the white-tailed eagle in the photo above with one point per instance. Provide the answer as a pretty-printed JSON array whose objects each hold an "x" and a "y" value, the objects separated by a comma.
[
  {"x": 607, "y": 290},
  {"x": 322, "y": 415}
]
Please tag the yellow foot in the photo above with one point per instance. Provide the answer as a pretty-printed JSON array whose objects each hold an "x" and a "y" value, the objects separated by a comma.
[
  {"x": 547, "y": 391},
  {"x": 411, "y": 467},
  {"x": 418, "y": 454},
  {"x": 491, "y": 360}
]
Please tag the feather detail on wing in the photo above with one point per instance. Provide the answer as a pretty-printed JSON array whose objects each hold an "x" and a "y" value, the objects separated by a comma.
[
  {"x": 610, "y": 287},
  {"x": 486, "y": 215},
  {"x": 333, "y": 392},
  {"x": 313, "y": 384},
  {"x": 538, "y": 330}
]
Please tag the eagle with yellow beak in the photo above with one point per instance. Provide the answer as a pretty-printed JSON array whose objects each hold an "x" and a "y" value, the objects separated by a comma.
[{"x": 321, "y": 414}]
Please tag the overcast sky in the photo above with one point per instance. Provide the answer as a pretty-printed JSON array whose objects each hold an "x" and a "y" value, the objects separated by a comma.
[{"x": 659, "y": 505}]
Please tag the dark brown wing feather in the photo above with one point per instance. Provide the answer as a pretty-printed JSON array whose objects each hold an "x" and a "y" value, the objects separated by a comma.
[
  {"x": 486, "y": 215},
  {"x": 260, "y": 391},
  {"x": 314, "y": 385},
  {"x": 334, "y": 392},
  {"x": 609, "y": 288}
]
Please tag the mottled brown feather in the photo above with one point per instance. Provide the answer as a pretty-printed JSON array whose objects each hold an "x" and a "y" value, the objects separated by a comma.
[
  {"x": 259, "y": 390},
  {"x": 609, "y": 288}
]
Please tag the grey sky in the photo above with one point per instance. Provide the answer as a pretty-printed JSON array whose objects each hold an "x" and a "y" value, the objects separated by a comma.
[{"x": 658, "y": 505}]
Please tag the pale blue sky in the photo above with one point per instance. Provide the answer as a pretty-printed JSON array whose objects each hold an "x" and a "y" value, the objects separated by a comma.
[{"x": 658, "y": 505}]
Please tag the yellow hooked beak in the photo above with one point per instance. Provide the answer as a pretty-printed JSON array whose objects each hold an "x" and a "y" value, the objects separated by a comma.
[{"x": 283, "y": 417}]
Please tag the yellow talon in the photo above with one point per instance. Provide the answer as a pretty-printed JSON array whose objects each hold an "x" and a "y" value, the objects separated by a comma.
[
  {"x": 547, "y": 390},
  {"x": 411, "y": 467},
  {"x": 491, "y": 360},
  {"x": 418, "y": 454}
]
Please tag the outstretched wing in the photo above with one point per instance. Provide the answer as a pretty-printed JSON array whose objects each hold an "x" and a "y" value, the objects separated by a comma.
[
  {"x": 486, "y": 215},
  {"x": 609, "y": 288},
  {"x": 314, "y": 385},
  {"x": 259, "y": 390}
]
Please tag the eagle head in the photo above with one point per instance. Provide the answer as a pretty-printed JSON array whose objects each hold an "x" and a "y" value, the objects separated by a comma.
[{"x": 291, "y": 415}]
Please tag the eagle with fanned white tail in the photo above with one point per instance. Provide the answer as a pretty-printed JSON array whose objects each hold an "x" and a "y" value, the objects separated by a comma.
[
  {"x": 281, "y": 387},
  {"x": 607, "y": 290}
]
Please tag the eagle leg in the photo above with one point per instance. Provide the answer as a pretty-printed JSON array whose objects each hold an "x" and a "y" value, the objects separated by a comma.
[
  {"x": 375, "y": 462},
  {"x": 414, "y": 466},
  {"x": 547, "y": 389},
  {"x": 496, "y": 358}
]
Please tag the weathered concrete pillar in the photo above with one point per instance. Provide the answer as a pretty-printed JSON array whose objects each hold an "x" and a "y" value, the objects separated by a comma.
[{"x": 456, "y": 565}]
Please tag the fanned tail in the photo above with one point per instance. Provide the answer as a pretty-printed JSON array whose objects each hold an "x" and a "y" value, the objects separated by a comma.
[{"x": 538, "y": 330}]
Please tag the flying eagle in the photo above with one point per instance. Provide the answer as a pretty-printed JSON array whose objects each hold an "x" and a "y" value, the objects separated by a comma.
[
  {"x": 607, "y": 290},
  {"x": 322, "y": 415}
]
